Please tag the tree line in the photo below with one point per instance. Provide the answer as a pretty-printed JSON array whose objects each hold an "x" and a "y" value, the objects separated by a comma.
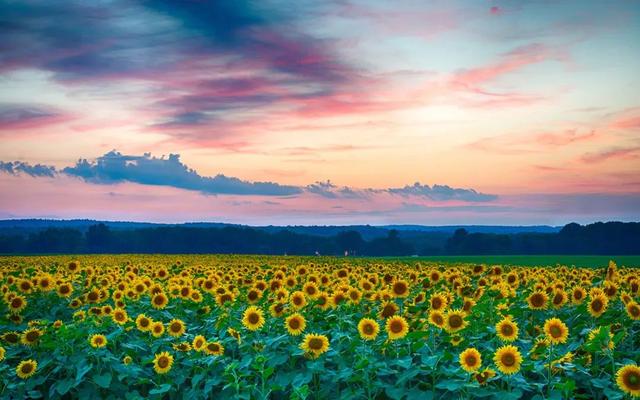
[{"x": 599, "y": 238}]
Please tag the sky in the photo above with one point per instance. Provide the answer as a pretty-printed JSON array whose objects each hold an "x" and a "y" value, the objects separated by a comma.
[{"x": 333, "y": 112}]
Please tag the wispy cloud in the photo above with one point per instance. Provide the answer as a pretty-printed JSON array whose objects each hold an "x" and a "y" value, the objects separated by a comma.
[{"x": 115, "y": 167}]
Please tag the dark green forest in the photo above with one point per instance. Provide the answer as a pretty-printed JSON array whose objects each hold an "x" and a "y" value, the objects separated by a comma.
[{"x": 598, "y": 239}]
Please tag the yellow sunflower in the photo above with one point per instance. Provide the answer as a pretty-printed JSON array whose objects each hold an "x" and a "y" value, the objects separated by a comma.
[
  {"x": 508, "y": 359},
  {"x": 454, "y": 320},
  {"x": 397, "y": 327},
  {"x": 26, "y": 368},
  {"x": 470, "y": 360},
  {"x": 143, "y": 323},
  {"x": 97, "y": 341},
  {"x": 368, "y": 329},
  {"x": 436, "y": 318},
  {"x": 556, "y": 331},
  {"x": 159, "y": 301},
  {"x": 176, "y": 328},
  {"x": 17, "y": 304},
  {"x": 400, "y": 288},
  {"x": 214, "y": 349},
  {"x": 598, "y": 305},
  {"x": 253, "y": 319},
  {"x": 314, "y": 345},
  {"x": 31, "y": 336},
  {"x": 295, "y": 324},
  {"x": 628, "y": 379},
  {"x": 162, "y": 362},
  {"x": 298, "y": 300},
  {"x": 120, "y": 316},
  {"x": 507, "y": 330},
  {"x": 485, "y": 375},
  {"x": 538, "y": 300},
  {"x": 198, "y": 343},
  {"x": 157, "y": 329},
  {"x": 127, "y": 360},
  {"x": 633, "y": 310},
  {"x": 2, "y": 353}
]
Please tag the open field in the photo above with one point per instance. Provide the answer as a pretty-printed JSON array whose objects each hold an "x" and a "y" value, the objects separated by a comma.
[
  {"x": 540, "y": 260},
  {"x": 205, "y": 326}
]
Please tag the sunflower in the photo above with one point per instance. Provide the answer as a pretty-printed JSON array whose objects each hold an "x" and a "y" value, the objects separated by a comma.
[
  {"x": 397, "y": 327},
  {"x": 400, "y": 288},
  {"x": 97, "y": 341},
  {"x": 593, "y": 333},
  {"x": 252, "y": 318},
  {"x": 538, "y": 300},
  {"x": 234, "y": 334},
  {"x": 2, "y": 353},
  {"x": 26, "y": 368},
  {"x": 436, "y": 318},
  {"x": 295, "y": 324},
  {"x": 388, "y": 310},
  {"x": 368, "y": 329},
  {"x": 176, "y": 328},
  {"x": 182, "y": 346},
  {"x": 162, "y": 362},
  {"x": 454, "y": 321},
  {"x": 143, "y": 323},
  {"x": 277, "y": 309},
  {"x": 159, "y": 301},
  {"x": 628, "y": 379},
  {"x": 11, "y": 337},
  {"x": 470, "y": 360},
  {"x": 65, "y": 290},
  {"x": 507, "y": 330},
  {"x": 298, "y": 300},
  {"x": 556, "y": 331},
  {"x": 633, "y": 310},
  {"x": 31, "y": 336},
  {"x": 598, "y": 305},
  {"x": 314, "y": 345},
  {"x": 214, "y": 349},
  {"x": 198, "y": 343},
  {"x": 127, "y": 360},
  {"x": 578, "y": 294},
  {"x": 17, "y": 304},
  {"x": 485, "y": 375},
  {"x": 120, "y": 316},
  {"x": 438, "y": 302},
  {"x": 25, "y": 286},
  {"x": 157, "y": 329},
  {"x": 508, "y": 359}
]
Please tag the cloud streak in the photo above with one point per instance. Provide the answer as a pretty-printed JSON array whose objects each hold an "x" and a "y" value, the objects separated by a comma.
[{"x": 115, "y": 167}]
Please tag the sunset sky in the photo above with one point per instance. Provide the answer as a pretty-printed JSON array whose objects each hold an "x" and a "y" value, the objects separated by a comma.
[{"x": 332, "y": 112}]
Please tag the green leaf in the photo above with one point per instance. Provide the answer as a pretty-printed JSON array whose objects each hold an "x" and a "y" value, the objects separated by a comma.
[
  {"x": 450, "y": 385},
  {"x": 64, "y": 386},
  {"x": 103, "y": 380},
  {"x": 82, "y": 371},
  {"x": 164, "y": 388}
]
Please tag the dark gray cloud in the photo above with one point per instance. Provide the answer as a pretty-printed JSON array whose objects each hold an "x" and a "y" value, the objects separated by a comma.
[
  {"x": 115, "y": 167},
  {"x": 442, "y": 193},
  {"x": 17, "y": 167}
]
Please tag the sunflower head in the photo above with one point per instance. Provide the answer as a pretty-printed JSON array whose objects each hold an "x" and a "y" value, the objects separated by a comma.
[
  {"x": 470, "y": 360},
  {"x": 162, "y": 362},
  {"x": 253, "y": 319},
  {"x": 198, "y": 343},
  {"x": 176, "y": 328},
  {"x": 538, "y": 300},
  {"x": 314, "y": 345},
  {"x": 455, "y": 320},
  {"x": 507, "y": 330},
  {"x": 556, "y": 331},
  {"x": 628, "y": 379},
  {"x": 396, "y": 327},
  {"x": 97, "y": 341},
  {"x": 214, "y": 349},
  {"x": 295, "y": 324},
  {"x": 31, "y": 336},
  {"x": 508, "y": 359},
  {"x": 368, "y": 329},
  {"x": 597, "y": 305},
  {"x": 26, "y": 369},
  {"x": 143, "y": 323}
]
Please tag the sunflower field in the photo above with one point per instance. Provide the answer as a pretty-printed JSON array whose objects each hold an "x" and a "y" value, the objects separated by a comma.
[{"x": 258, "y": 327}]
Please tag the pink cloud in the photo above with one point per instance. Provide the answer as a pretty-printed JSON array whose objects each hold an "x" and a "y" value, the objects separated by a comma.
[{"x": 619, "y": 153}]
